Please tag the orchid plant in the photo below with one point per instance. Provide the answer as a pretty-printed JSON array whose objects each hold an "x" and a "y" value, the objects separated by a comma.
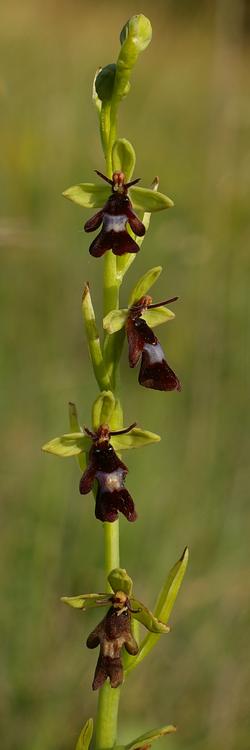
[{"x": 123, "y": 217}]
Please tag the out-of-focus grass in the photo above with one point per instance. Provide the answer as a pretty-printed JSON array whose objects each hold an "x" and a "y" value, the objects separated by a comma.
[{"x": 188, "y": 116}]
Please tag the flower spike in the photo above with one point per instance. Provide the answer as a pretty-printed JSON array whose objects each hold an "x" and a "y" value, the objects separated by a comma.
[
  {"x": 109, "y": 471},
  {"x": 114, "y": 216}
]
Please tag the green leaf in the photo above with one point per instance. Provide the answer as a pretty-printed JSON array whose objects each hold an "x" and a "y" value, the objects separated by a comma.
[
  {"x": 144, "y": 199},
  {"x": 157, "y": 316},
  {"x": 85, "y": 737},
  {"x": 134, "y": 439},
  {"x": 69, "y": 444},
  {"x": 104, "y": 82},
  {"x": 147, "y": 618},
  {"x": 88, "y": 194},
  {"x": 123, "y": 157},
  {"x": 119, "y": 580},
  {"x": 102, "y": 409},
  {"x": 115, "y": 320},
  {"x": 148, "y": 737},
  {"x": 170, "y": 589},
  {"x": 86, "y": 601},
  {"x": 144, "y": 284}
]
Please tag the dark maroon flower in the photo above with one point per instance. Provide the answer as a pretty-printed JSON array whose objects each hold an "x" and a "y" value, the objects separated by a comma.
[
  {"x": 109, "y": 472},
  {"x": 114, "y": 216},
  {"x": 154, "y": 370},
  {"x": 112, "y": 633}
]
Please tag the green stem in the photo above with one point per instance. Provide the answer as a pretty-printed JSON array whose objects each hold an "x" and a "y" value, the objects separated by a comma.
[
  {"x": 108, "y": 699},
  {"x": 106, "y": 725},
  {"x": 111, "y": 546}
]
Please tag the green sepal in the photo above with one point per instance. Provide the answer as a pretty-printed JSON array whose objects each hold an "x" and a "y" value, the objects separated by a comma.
[
  {"x": 85, "y": 737},
  {"x": 157, "y": 316},
  {"x": 168, "y": 594},
  {"x": 147, "y": 618},
  {"x": 119, "y": 580},
  {"x": 104, "y": 82},
  {"x": 123, "y": 157},
  {"x": 69, "y": 444},
  {"x": 76, "y": 427},
  {"x": 148, "y": 737},
  {"x": 144, "y": 199},
  {"x": 86, "y": 601},
  {"x": 102, "y": 409},
  {"x": 144, "y": 284},
  {"x": 88, "y": 194},
  {"x": 115, "y": 320},
  {"x": 134, "y": 439}
]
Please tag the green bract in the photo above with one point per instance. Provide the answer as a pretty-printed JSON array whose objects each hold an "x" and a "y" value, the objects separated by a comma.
[
  {"x": 163, "y": 609},
  {"x": 135, "y": 37},
  {"x": 85, "y": 737},
  {"x": 149, "y": 737},
  {"x": 104, "y": 82},
  {"x": 144, "y": 284},
  {"x": 102, "y": 409},
  {"x": 123, "y": 157}
]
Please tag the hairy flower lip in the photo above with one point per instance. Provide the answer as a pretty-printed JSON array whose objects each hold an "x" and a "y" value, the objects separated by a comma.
[
  {"x": 109, "y": 471},
  {"x": 155, "y": 373},
  {"x": 114, "y": 217}
]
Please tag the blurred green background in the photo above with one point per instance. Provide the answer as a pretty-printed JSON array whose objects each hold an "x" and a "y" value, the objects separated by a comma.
[{"x": 188, "y": 116}]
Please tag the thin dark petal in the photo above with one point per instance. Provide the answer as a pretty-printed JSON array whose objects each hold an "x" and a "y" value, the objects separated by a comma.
[
  {"x": 94, "y": 222},
  {"x": 155, "y": 372},
  {"x": 123, "y": 243},
  {"x": 100, "y": 244},
  {"x": 135, "y": 342},
  {"x": 87, "y": 480},
  {"x": 136, "y": 224}
]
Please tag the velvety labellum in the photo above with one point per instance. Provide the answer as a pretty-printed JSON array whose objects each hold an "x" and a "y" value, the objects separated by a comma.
[
  {"x": 154, "y": 371},
  {"x": 109, "y": 472},
  {"x": 112, "y": 633},
  {"x": 114, "y": 217}
]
